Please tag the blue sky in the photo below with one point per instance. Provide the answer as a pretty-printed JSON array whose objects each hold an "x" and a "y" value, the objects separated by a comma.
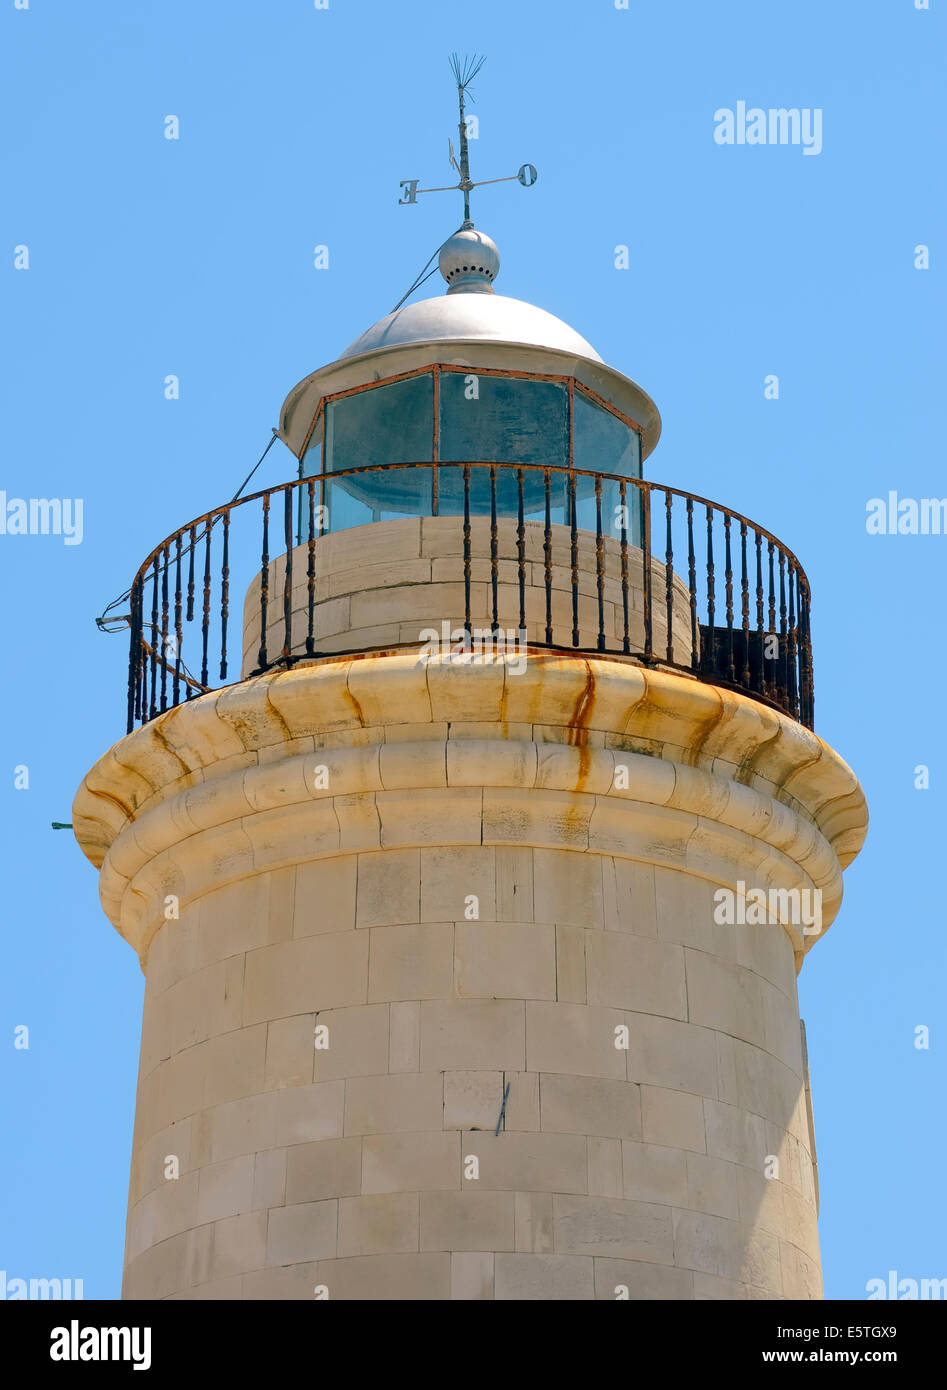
[{"x": 195, "y": 257}]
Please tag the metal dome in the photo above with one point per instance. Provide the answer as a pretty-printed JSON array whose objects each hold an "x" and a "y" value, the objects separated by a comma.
[{"x": 472, "y": 317}]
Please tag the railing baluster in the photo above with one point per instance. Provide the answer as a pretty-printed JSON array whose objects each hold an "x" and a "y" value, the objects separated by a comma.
[
  {"x": 669, "y": 576},
  {"x": 711, "y": 594},
  {"x": 467, "y": 627},
  {"x": 760, "y": 620},
  {"x": 547, "y": 557},
  {"x": 494, "y": 544},
  {"x": 792, "y": 643},
  {"x": 192, "y": 546},
  {"x": 808, "y": 705},
  {"x": 153, "y": 707},
  {"x": 781, "y": 668},
  {"x": 646, "y": 569},
  {"x": 178, "y": 629},
  {"x": 134, "y": 656},
  {"x": 521, "y": 547},
  {"x": 771, "y": 630},
  {"x": 728, "y": 578},
  {"x": 623, "y": 513},
  {"x": 264, "y": 582},
  {"x": 225, "y": 596},
  {"x": 692, "y": 585},
  {"x": 311, "y": 572},
  {"x": 164, "y": 627},
  {"x": 600, "y": 563},
  {"x": 205, "y": 620},
  {"x": 288, "y": 577},
  {"x": 745, "y": 606},
  {"x": 575, "y": 561}
]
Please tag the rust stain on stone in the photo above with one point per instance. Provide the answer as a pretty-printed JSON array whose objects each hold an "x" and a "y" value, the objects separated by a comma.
[
  {"x": 287, "y": 731},
  {"x": 127, "y": 811},
  {"x": 159, "y": 738},
  {"x": 354, "y": 703},
  {"x": 578, "y": 729}
]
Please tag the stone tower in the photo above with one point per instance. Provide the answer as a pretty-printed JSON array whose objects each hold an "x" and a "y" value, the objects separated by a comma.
[{"x": 471, "y": 907}]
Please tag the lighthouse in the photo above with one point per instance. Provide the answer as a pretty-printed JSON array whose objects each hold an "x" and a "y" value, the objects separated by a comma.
[{"x": 471, "y": 829}]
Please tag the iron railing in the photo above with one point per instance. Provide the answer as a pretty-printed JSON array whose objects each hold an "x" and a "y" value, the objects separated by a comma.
[{"x": 657, "y": 550}]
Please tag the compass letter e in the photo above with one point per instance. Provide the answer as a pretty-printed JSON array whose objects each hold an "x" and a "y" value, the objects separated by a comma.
[{"x": 411, "y": 191}]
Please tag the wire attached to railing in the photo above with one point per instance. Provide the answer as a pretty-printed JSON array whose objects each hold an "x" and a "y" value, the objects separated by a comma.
[{"x": 124, "y": 619}]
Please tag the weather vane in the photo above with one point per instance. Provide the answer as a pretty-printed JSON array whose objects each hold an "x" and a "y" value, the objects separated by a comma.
[{"x": 464, "y": 73}]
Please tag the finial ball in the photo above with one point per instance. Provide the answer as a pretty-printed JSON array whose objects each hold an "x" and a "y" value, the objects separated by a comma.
[{"x": 469, "y": 262}]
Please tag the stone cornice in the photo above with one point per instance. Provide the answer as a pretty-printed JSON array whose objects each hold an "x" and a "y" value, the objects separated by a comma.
[{"x": 224, "y": 784}]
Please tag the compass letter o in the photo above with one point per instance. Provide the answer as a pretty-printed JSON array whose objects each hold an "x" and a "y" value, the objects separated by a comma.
[{"x": 527, "y": 175}]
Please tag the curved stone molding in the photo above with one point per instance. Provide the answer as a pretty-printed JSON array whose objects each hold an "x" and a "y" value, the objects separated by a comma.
[
  {"x": 590, "y": 705},
  {"x": 413, "y": 793}
]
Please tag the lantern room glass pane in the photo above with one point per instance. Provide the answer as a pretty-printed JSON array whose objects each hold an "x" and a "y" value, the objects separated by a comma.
[
  {"x": 312, "y": 458},
  {"x": 388, "y": 424},
  {"x": 391, "y": 424},
  {"x": 495, "y": 419},
  {"x": 603, "y": 442}
]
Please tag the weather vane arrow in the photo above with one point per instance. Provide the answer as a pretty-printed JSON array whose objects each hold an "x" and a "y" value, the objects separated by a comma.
[{"x": 464, "y": 73}]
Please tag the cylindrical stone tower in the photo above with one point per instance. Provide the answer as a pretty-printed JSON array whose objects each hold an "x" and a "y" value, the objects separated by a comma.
[{"x": 471, "y": 960}]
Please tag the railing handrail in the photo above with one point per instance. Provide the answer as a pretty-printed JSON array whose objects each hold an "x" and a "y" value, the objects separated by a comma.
[{"x": 642, "y": 483}]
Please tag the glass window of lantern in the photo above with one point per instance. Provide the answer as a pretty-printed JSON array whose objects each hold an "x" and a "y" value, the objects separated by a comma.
[
  {"x": 604, "y": 443},
  {"x": 391, "y": 424},
  {"x": 496, "y": 419}
]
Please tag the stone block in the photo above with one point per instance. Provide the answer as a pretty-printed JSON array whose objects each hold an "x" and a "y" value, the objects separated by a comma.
[
  {"x": 306, "y": 976},
  {"x": 472, "y": 1099},
  {"x": 388, "y": 888},
  {"x": 665, "y": 1052},
  {"x": 473, "y": 1035},
  {"x": 325, "y": 1169},
  {"x": 451, "y": 875},
  {"x": 635, "y": 972},
  {"x": 325, "y": 896},
  {"x": 471, "y": 1276},
  {"x": 724, "y": 996},
  {"x": 416, "y": 1162},
  {"x": 590, "y": 1105},
  {"x": 712, "y": 1186},
  {"x": 392, "y": 1104},
  {"x": 540, "y": 1278},
  {"x": 652, "y": 1173},
  {"x": 358, "y": 1043},
  {"x": 308, "y": 1113},
  {"x": 674, "y": 1118},
  {"x": 505, "y": 960},
  {"x": 289, "y": 1052},
  {"x": 386, "y": 1224},
  {"x": 467, "y": 1220},
  {"x": 388, "y": 1278},
  {"x": 605, "y": 1167},
  {"x": 404, "y": 1043},
  {"x": 573, "y": 1039},
  {"x": 269, "y": 1179},
  {"x": 411, "y": 962},
  {"x": 304, "y": 1231},
  {"x": 239, "y": 1244},
  {"x": 643, "y": 1282},
  {"x": 225, "y": 1189},
  {"x": 529, "y": 1162}
]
